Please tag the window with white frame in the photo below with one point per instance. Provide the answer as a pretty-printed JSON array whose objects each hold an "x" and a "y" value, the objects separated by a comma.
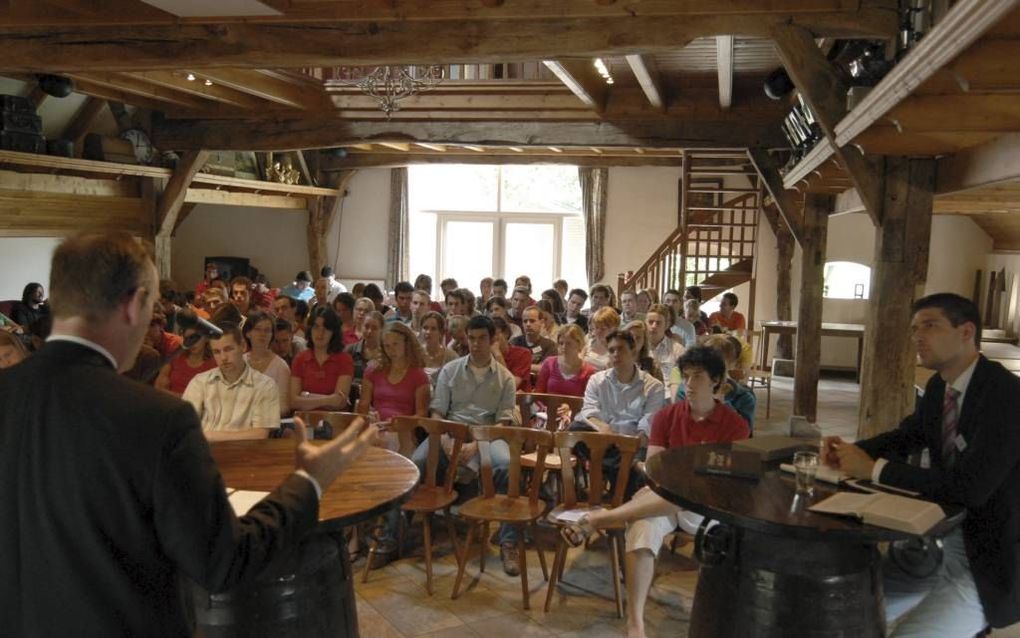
[
  {"x": 468, "y": 222},
  {"x": 846, "y": 280}
]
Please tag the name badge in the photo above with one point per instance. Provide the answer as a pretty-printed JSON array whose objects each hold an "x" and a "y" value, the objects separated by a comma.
[{"x": 961, "y": 445}]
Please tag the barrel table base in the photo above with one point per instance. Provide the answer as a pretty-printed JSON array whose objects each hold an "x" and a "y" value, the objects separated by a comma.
[
  {"x": 312, "y": 597},
  {"x": 765, "y": 585}
]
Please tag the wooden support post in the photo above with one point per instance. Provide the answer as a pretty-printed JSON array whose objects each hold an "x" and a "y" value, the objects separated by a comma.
[
  {"x": 784, "y": 286},
  {"x": 321, "y": 211},
  {"x": 82, "y": 123},
  {"x": 169, "y": 206},
  {"x": 809, "y": 322},
  {"x": 897, "y": 280}
]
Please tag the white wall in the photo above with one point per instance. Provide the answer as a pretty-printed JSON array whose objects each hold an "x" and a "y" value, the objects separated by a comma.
[
  {"x": 361, "y": 235},
  {"x": 24, "y": 260},
  {"x": 958, "y": 249}
]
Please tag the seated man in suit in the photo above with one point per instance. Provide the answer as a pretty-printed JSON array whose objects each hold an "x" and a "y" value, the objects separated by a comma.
[
  {"x": 111, "y": 495},
  {"x": 968, "y": 421},
  {"x": 234, "y": 400}
]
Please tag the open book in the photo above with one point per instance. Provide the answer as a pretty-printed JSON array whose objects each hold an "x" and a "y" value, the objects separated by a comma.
[
  {"x": 901, "y": 513},
  {"x": 244, "y": 500}
]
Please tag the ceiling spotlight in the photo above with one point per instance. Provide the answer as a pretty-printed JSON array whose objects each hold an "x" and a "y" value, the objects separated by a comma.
[
  {"x": 190, "y": 77},
  {"x": 603, "y": 70},
  {"x": 208, "y": 82}
]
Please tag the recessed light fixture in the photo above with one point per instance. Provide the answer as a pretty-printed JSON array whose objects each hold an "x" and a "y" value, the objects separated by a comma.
[
  {"x": 190, "y": 77},
  {"x": 208, "y": 82},
  {"x": 603, "y": 70}
]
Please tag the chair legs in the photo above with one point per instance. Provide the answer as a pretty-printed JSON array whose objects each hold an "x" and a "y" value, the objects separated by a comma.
[
  {"x": 614, "y": 552},
  {"x": 373, "y": 547},
  {"x": 462, "y": 559},
  {"x": 557, "y": 571},
  {"x": 768, "y": 398},
  {"x": 523, "y": 558},
  {"x": 538, "y": 548},
  {"x": 427, "y": 532}
]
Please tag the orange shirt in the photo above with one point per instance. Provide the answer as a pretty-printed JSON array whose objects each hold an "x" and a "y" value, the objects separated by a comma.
[{"x": 735, "y": 322}]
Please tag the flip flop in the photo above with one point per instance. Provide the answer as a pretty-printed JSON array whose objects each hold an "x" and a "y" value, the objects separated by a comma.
[{"x": 575, "y": 534}]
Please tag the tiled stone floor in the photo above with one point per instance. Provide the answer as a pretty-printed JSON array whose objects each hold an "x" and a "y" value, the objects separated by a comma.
[{"x": 394, "y": 603}]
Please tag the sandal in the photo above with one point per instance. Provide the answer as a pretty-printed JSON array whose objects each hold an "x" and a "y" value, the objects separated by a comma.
[{"x": 575, "y": 534}]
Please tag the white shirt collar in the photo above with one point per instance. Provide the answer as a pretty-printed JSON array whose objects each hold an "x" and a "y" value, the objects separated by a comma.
[
  {"x": 962, "y": 381},
  {"x": 491, "y": 365},
  {"x": 88, "y": 344}
]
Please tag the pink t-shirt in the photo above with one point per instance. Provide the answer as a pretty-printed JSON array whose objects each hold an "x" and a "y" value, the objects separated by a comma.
[
  {"x": 552, "y": 381},
  {"x": 395, "y": 399}
]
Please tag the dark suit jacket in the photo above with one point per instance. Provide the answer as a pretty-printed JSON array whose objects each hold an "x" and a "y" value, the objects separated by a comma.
[
  {"x": 109, "y": 496},
  {"x": 985, "y": 477}
]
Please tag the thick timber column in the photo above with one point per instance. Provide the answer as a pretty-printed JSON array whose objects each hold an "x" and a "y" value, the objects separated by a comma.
[
  {"x": 897, "y": 280},
  {"x": 809, "y": 321}
]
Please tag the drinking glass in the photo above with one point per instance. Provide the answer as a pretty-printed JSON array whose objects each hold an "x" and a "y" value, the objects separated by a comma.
[{"x": 806, "y": 466}]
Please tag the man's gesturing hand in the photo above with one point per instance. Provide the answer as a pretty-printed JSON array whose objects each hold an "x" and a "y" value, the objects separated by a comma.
[{"x": 326, "y": 462}]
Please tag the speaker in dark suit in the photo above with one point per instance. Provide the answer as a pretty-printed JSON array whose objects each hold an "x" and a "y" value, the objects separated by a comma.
[{"x": 111, "y": 495}]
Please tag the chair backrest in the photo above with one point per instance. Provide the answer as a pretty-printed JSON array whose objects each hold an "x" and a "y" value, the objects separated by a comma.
[
  {"x": 598, "y": 444},
  {"x": 516, "y": 439},
  {"x": 337, "y": 421},
  {"x": 406, "y": 426},
  {"x": 550, "y": 403},
  {"x": 758, "y": 343}
]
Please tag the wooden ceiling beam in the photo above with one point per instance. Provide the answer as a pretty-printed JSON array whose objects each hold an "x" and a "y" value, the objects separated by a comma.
[
  {"x": 83, "y": 121},
  {"x": 784, "y": 200},
  {"x": 260, "y": 84},
  {"x": 141, "y": 88},
  {"x": 992, "y": 163},
  {"x": 724, "y": 69},
  {"x": 647, "y": 75},
  {"x": 76, "y": 48},
  {"x": 583, "y": 81},
  {"x": 968, "y": 112},
  {"x": 197, "y": 87},
  {"x": 108, "y": 94},
  {"x": 824, "y": 92},
  {"x": 322, "y": 132},
  {"x": 394, "y": 160}
]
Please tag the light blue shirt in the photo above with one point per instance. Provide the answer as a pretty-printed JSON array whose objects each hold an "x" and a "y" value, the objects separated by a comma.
[
  {"x": 626, "y": 407},
  {"x": 685, "y": 330},
  {"x": 292, "y": 291},
  {"x": 462, "y": 396}
]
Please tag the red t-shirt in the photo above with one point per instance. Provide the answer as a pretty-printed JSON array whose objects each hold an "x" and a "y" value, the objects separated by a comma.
[
  {"x": 673, "y": 426},
  {"x": 395, "y": 399},
  {"x": 735, "y": 322},
  {"x": 518, "y": 361},
  {"x": 552, "y": 381},
  {"x": 321, "y": 379},
  {"x": 169, "y": 344},
  {"x": 181, "y": 373}
]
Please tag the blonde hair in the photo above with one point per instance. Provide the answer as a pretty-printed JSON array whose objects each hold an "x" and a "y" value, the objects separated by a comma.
[
  {"x": 606, "y": 317},
  {"x": 572, "y": 331},
  {"x": 412, "y": 349},
  {"x": 724, "y": 345}
]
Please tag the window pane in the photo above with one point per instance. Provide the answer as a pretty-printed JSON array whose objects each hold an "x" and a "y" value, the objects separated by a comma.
[
  {"x": 467, "y": 252},
  {"x": 846, "y": 280},
  {"x": 540, "y": 189},
  {"x": 455, "y": 187},
  {"x": 422, "y": 259},
  {"x": 529, "y": 249}
]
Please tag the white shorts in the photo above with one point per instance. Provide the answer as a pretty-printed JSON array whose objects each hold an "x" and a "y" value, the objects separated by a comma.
[{"x": 649, "y": 533}]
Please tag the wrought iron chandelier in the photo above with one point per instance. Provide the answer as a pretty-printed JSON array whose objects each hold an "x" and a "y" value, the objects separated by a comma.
[{"x": 387, "y": 85}]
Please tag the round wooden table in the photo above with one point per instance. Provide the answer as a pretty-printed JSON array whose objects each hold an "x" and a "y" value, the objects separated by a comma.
[
  {"x": 777, "y": 568},
  {"x": 313, "y": 594}
]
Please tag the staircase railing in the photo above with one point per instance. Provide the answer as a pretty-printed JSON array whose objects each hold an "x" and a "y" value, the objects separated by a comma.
[{"x": 664, "y": 269}]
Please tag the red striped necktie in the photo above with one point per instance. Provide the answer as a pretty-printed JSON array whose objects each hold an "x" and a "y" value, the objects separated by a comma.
[{"x": 950, "y": 417}]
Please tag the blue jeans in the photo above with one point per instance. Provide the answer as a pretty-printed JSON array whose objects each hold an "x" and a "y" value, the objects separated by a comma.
[
  {"x": 500, "y": 453},
  {"x": 943, "y": 604}
]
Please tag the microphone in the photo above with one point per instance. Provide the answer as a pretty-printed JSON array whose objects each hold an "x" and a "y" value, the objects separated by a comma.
[{"x": 188, "y": 319}]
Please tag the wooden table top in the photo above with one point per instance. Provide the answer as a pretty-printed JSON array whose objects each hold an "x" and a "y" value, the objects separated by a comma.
[
  {"x": 828, "y": 329},
  {"x": 379, "y": 480},
  {"x": 768, "y": 506}
]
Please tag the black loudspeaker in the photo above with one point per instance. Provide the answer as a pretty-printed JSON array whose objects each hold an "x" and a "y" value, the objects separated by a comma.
[
  {"x": 56, "y": 85},
  {"x": 230, "y": 267}
]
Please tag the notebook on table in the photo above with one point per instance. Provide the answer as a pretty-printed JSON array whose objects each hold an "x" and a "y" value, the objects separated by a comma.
[
  {"x": 891, "y": 511},
  {"x": 774, "y": 448}
]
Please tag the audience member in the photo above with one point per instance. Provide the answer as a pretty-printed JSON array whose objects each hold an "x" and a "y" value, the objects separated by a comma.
[
  {"x": 321, "y": 376},
  {"x": 456, "y": 303},
  {"x": 601, "y": 297},
  {"x": 555, "y": 299},
  {"x": 524, "y": 281},
  {"x": 499, "y": 288},
  {"x": 233, "y": 400},
  {"x": 603, "y": 322},
  {"x": 476, "y": 390},
  {"x": 334, "y": 287},
  {"x": 662, "y": 345},
  {"x": 628, "y": 307},
  {"x": 259, "y": 331},
  {"x": 166, "y": 343},
  {"x": 541, "y": 347},
  {"x": 681, "y": 327},
  {"x": 731, "y": 392},
  {"x": 648, "y": 516},
  {"x": 519, "y": 300},
  {"x": 694, "y": 292},
  {"x": 468, "y": 307},
  {"x": 212, "y": 299},
  {"x": 642, "y": 356},
  {"x": 403, "y": 293},
  {"x": 285, "y": 308},
  {"x": 693, "y": 314},
  {"x": 358, "y": 290},
  {"x": 457, "y": 327},
  {"x": 283, "y": 342},
  {"x": 31, "y": 307},
  {"x": 321, "y": 290},
  {"x": 421, "y": 305},
  {"x": 567, "y": 373},
  {"x": 550, "y": 325},
  {"x": 146, "y": 366},
  {"x": 228, "y": 313},
  {"x": 212, "y": 272},
  {"x": 496, "y": 307},
  {"x": 301, "y": 289},
  {"x": 575, "y": 302},
  {"x": 362, "y": 307},
  {"x": 484, "y": 292},
  {"x": 728, "y": 317},
  {"x": 447, "y": 285},
  {"x": 175, "y": 375},
  {"x": 515, "y": 358},
  {"x": 374, "y": 292},
  {"x": 560, "y": 286},
  {"x": 343, "y": 306},
  {"x": 436, "y": 354},
  {"x": 262, "y": 294},
  {"x": 12, "y": 350},
  {"x": 168, "y": 299},
  {"x": 240, "y": 294},
  {"x": 367, "y": 351},
  {"x": 645, "y": 298}
]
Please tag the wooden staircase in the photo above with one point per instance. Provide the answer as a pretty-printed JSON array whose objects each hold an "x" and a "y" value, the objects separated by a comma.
[{"x": 714, "y": 243}]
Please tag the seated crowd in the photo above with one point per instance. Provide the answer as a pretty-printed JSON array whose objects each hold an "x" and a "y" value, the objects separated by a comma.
[{"x": 659, "y": 370}]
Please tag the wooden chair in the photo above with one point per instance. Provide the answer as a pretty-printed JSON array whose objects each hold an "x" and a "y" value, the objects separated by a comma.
[
  {"x": 430, "y": 496},
  {"x": 761, "y": 372},
  {"x": 337, "y": 422},
  {"x": 598, "y": 444},
  {"x": 551, "y": 403},
  {"x": 512, "y": 507}
]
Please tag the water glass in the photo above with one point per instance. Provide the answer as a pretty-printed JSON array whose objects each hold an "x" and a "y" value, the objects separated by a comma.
[{"x": 806, "y": 466}]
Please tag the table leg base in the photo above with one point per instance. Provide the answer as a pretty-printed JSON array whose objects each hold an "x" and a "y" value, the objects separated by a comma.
[
  {"x": 312, "y": 598},
  {"x": 774, "y": 586}
]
